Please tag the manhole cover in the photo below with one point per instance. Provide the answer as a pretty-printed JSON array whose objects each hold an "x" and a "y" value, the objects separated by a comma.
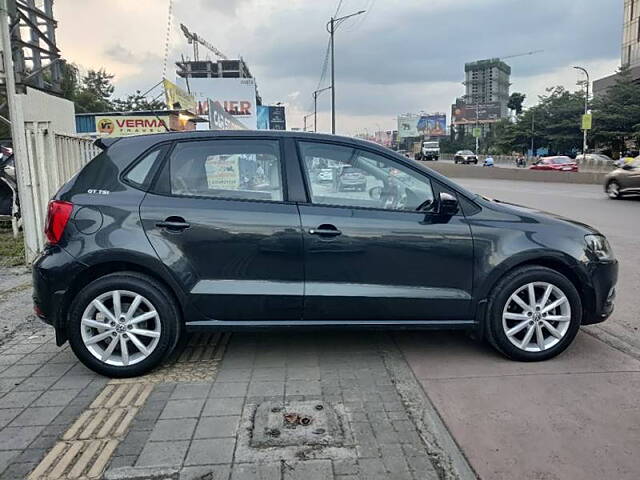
[{"x": 296, "y": 423}]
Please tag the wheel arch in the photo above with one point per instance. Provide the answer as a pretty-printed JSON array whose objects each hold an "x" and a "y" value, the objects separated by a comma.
[
  {"x": 99, "y": 268},
  {"x": 557, "y": 262}
]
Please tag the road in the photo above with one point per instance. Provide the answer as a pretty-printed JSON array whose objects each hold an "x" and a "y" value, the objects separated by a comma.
[{"x": 575, "y": 416}]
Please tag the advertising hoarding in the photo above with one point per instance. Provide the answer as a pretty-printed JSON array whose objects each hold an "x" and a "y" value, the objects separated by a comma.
[
  {"x": 236, "y": 95},
  {"x": 219, "y": 119},
  {"x": 122, "y": 125},
  {"x": 433, "y": 125},
  {"x": 462, "y": 114},
  {"x": 271, "y": 117},
  {"x": 408, "y": 125},
  {"x": 263, "y": 117},
  {"x": 177, "y": 98},
  {"x": 277, "y": 120}
]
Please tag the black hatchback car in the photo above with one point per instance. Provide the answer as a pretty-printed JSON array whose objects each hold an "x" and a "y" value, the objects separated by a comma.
[{"x": 174, "y": 232}]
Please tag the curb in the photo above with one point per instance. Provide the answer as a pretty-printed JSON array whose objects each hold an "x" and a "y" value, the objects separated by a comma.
[{"x": 446, "y": 456}]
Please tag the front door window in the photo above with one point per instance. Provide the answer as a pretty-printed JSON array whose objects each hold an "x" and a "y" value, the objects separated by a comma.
[{"x": 349, "y": 177}]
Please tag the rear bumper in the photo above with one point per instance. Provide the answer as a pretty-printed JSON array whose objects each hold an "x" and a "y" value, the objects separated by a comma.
[
  {"x": 600, "y": 292},
  {"x": 53, "y": 273}
]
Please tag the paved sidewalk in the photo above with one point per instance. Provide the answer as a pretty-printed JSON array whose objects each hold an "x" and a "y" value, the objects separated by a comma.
[{"x": 208, "y": 416}]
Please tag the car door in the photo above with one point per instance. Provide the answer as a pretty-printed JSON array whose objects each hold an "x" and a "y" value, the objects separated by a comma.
[
  {"x": 383, "y": 253},
  {"x": 220, "y": 221}
]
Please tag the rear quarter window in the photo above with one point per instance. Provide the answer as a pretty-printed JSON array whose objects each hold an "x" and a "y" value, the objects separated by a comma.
[{"x": 140, "y": 174}]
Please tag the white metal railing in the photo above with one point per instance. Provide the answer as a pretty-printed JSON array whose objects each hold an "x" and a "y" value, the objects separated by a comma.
[{"x": 52, "y": 159}]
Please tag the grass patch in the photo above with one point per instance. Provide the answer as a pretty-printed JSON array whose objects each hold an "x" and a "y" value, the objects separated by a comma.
[{"x": 11, "y": 249}]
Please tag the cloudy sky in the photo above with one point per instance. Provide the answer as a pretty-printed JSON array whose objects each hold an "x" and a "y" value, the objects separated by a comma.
[{"x": 401, "y": 56}]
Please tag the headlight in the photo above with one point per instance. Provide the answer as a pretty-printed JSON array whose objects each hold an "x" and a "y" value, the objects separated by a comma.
[{"x": 599, "y": 246}]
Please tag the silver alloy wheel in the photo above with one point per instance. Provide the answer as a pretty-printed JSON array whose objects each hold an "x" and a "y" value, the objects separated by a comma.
[
  {"x": 120, "y": 328},
  {"x": 613, "y": 190},
  {"x": 536, "y": 316}
]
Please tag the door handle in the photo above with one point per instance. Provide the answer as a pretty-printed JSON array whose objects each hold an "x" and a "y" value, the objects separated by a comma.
[
  {"x": 326, "y": 231},
  {"x": 175, "y": 224}
]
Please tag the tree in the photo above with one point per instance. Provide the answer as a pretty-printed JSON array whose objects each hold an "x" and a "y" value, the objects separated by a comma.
[
  {"x": 137, "y": 102},
  {"x": 94, "y": 94},
  {"x": 515, "y": 102},
  {"x": 616, "y": 115}
]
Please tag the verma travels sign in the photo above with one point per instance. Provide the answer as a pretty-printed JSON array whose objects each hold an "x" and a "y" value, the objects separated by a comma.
[{"x": 122, "y": 126}]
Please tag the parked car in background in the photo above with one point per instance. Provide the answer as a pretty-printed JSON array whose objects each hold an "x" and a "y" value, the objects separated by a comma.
[
  {"x": 465, "y": 157},
  {"x": 624, "y": 180},
  {"x": 558, "y": 163},
  {"x": 160, "y": 235},
  {"x": 352, "y": 179}
]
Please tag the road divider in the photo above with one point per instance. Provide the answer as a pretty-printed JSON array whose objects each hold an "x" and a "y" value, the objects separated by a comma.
[{"x": 518, "y": 174}]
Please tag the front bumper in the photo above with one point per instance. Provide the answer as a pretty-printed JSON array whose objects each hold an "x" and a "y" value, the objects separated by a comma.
[
  {"x": 54, "y": 272},
  {"x": 600, "y": 291}
]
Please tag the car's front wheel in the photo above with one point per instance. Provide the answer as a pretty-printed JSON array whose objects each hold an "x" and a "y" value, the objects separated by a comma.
[
  {"x": 613, "y": 190},
  {"x": 123, "y": 324},
  {"x": 534, "y": 313}
]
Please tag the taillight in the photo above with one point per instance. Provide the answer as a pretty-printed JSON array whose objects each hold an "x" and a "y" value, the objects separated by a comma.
[{"x": 58, "y": 215}]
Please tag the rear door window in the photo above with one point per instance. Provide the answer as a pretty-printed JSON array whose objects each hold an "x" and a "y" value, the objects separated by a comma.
[{"x": 233, "y": 169}]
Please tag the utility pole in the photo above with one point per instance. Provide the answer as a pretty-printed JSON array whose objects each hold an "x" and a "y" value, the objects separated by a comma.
[
  {"x": 331, "y": 28},
  {"x": 19, "y": 140},
  {"x": 305, "y": 121},
  {"x": 477, "y": 126},
  {"x": 315, "y": 106},
  {"x": 533, "y": 119},
  {"x": 586, "y": 110}
]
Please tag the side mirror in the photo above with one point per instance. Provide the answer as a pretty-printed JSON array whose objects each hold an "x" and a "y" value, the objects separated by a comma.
[
  {"x": 448, "y": 205},
  {"x": 627, "y": 166}
]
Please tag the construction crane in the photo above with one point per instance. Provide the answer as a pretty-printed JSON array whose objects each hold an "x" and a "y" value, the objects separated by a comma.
[
  {"x": 195, "y": 39},
  {"x": 522, "y": 54}
]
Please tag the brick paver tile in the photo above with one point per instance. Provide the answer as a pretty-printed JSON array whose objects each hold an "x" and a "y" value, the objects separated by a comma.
[
  {"x": 217, "y": 427},
  {"x": 182, "y": 409},
  {"x": 36, "y": 416},
  {"x": 176, "y": 429},
  {"x": 12, "y": 438},
  {"x": 163, "y": 453},
  {"x": 256, "y": 471},
  {"x": 222, "y": 406},
  {"x": 308, "y": 470},
  {"x": 210, "y": 451}
]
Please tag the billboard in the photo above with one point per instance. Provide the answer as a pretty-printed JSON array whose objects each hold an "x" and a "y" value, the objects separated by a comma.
[
  {"x": 271, "y": 117},
  {"x": 462, "y": 114},
  {"x": 219, "y": 119},
  {"x": 123, "y": 125},
  {"x": 177, "y": 98},
  {"x": 433, "y": 125},
  {"x": 277, "y": 120},
  {"x": 236, "y": 95},
  {"x": 263, "y": 117}
]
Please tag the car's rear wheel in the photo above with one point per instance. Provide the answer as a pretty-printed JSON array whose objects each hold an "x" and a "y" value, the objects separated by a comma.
[
  {"x": 534, "y": 314},
  {"x": 613, "y": 190},
  {"x": 123, "y": 324}
]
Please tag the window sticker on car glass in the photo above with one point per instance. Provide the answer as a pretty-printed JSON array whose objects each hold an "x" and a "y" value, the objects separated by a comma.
[{"x": 223, "y": 172}]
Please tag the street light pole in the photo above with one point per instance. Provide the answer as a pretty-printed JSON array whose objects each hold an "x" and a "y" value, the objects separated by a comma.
[
  {"x": 586, "y": 110},
  {"x": 315, "y": 106},
  {"x": 331, "y": 28}
]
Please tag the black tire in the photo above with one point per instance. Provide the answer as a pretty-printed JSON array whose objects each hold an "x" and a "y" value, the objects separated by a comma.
[
  {"x": 500, "y": 294},
  {"x": 155, "y": 293},
  {"x": 614, "y": 195}
]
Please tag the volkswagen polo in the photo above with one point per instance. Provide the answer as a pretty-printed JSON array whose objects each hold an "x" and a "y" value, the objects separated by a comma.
[{"x": 164, "y": 234}]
